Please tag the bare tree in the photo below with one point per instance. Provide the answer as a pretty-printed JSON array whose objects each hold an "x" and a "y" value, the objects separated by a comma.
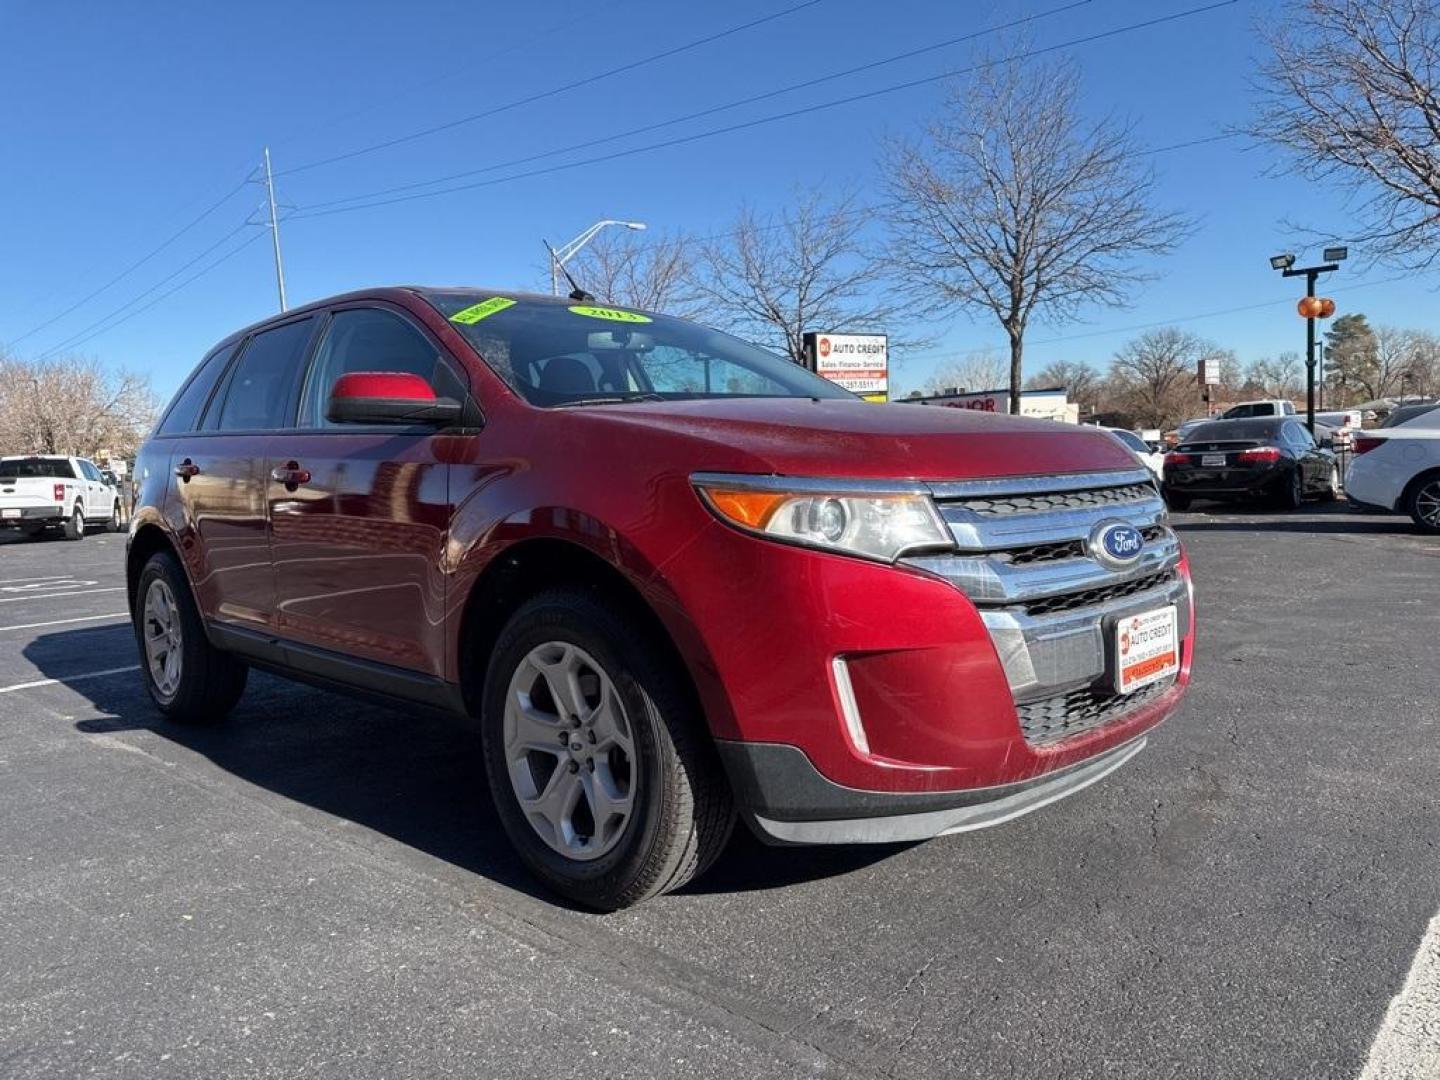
[
  {"x": 1082, "y": 383},
  {"x": 1352, "y": 92},
  {"x": 640, "y": 270},
  {"x": 73, "y": 405},
  {"x": 1277, "y": 376},
  {"x": 1152, "y": 377},
  {"x": 979, "y": 370},
  {"x": 1014, "y": 206},
  {"x": 810, "y": 268}
]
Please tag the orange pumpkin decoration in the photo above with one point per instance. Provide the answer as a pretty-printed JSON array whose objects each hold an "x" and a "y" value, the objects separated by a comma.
[
  {"x": 1327, "y": 307},
  {"x": 1309, "y": 307}
]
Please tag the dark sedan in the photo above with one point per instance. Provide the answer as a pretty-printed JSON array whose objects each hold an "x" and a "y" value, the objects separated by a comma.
[{"x": 1273, "y": 458}]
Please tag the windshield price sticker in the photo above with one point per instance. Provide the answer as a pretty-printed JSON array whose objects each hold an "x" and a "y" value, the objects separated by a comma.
[
  {"x": 613, "y": 314},
  {"x": 483, "y": 310},
  {"x": 1147, "y": 649}
]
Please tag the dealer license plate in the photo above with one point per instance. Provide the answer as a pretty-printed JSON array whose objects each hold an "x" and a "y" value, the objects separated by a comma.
[
  {"x": 10, "y": 513},
  {"x": 1147, "y": 649},
  {"x": 1212, "y": 461}
]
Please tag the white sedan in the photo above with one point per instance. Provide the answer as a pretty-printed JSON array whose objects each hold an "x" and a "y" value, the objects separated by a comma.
[
  {"x": 1153, "y": 461},
  {"x": 1399, "y": 469}
]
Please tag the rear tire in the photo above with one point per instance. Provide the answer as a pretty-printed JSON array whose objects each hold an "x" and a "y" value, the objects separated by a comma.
[
  {"x": 634, "y": 802},
  {"x": 75, "y": 527},
  {"x": 1423, "y": 504},
  {"x": 1177, "y": 501},
  {"x": 190, "y": 680},
  {"x": 1291, "y": 493},
  {"x": 117, "y": 520}
]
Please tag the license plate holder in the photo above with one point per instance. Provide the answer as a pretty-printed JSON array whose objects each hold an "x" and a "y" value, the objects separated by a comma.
[
  {"x": 1212, "y": 461},
  {"x": 9, "y": 513},
  {"x": 1145, "y": 648}
]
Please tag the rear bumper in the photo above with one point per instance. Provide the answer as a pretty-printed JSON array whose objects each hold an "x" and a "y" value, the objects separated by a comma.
[
  {"x": 785, "y": 800},
  {"x": 31, "y": 515}
]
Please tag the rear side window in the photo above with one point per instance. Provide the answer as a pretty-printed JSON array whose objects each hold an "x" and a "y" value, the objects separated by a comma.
[
  {"x": 184, "y": 414},
  {"x": 89, "y": 471},
  {"x": 370, "y": 339},
  {"x": 1133, "y": 441},
  {"x": 258, "y": 394}
]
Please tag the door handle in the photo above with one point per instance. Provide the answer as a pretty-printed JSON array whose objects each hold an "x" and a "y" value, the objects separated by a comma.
[
  {"x": 290, "y": 474},
  {"x": 186, "y": 469}
]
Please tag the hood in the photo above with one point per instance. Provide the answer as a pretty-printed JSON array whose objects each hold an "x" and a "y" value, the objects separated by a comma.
[{"x": 839, "y": 438}]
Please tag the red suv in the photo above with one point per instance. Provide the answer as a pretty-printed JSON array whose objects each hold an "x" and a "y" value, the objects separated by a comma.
[{"x": 677, "y": 578}]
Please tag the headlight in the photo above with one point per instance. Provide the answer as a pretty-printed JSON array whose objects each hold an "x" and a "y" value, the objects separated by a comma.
[{"x": 877, "y": 521}]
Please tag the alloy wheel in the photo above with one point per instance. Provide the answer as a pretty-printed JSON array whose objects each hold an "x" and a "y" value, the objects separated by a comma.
[
  {"x": 570, "y": 751},
  {"x": 163, "y": 643},
  {"x": 1427, "y": 504}
]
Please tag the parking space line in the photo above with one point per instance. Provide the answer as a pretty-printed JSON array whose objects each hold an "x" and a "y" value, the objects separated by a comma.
[
  {"x": 57, "y": 578},
  {"x": 1405, "y": 1047},
  {"x": 62, "y": 622},
  {"x": 69, "y": 678},
  {"x": 55, "y": 595}
]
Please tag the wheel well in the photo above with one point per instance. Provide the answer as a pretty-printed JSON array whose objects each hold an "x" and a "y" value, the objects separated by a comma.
[
  {"x": 531, "y": 567},
  {"x": 1403, "y": 504},
  {"x": 145, "y": 543}
]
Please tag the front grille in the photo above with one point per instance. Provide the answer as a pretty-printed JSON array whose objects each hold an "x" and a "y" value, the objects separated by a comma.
[
  {"x": 1054, "y": 718},
  {"x": 1064, "y": 549},
  {"x": 1040, "y": 502},
  {"x": 1103, "y": 594}
]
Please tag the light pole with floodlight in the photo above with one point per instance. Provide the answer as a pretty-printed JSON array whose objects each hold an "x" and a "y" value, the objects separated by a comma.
[
  {"x": 563, "y": 254},
  {"x": 1310, "y": 308}
]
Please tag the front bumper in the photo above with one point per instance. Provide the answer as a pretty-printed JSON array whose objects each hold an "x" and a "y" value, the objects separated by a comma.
[{"x": 786, "y": 801}]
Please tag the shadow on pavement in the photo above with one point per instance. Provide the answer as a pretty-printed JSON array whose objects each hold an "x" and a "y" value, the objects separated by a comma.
[
  {"x": 1321, "y": 519},
  {"x": 415, "y": 777}
]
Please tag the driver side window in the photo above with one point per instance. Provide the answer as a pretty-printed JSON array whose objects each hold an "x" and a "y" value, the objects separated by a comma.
[{"x": 371, "y": 339}]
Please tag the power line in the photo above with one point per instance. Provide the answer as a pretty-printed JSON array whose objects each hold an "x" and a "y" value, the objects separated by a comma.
[
  {"x": 74, "y": 339},
  {"x": 712, "y": 110},
  {"x": 775, "y": 117},
  {"x": 137, "y": 264},
  {"x": 554, "y": 91},
  {"x": 173, "y": 290}
]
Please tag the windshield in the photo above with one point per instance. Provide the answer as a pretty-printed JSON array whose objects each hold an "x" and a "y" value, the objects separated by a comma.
[
  {"x": 28, "y": 467},
  {"x": 564, "y": 353},
  {"x": 1410, "y": 413}
]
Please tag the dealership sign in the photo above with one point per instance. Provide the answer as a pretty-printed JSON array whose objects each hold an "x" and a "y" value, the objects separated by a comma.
[{"x": 858, "y": 362}]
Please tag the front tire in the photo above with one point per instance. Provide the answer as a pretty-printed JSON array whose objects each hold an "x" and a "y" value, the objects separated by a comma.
[
  {"x": 190, "y": 680},
  {"x": 1332, "y": 486},
  {"x": 74, "y": 528},
  {"x": 1423, "y": 505},
  {"x": 633, "y": 802}
]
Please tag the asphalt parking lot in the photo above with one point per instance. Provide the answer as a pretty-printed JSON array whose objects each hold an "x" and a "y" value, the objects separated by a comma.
[{"x": 319, "y": 889}]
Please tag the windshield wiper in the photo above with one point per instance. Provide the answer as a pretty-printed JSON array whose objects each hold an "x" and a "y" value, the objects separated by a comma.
[{"x": 615, "y": 400}]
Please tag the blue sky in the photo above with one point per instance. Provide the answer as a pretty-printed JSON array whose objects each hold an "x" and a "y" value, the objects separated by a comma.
[{"x": 133, "y": 119}]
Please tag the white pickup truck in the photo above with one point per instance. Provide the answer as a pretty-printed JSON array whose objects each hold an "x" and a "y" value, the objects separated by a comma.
[{"x": 48, "y": 491}]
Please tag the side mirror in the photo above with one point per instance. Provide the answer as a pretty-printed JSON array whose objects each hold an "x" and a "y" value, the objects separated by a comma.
[{"x": 388, "y": 397}]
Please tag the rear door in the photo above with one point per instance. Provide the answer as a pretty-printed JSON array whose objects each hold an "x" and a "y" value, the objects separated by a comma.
[
  {"x": 98, "y": 499},
  {"x": 359, "y": 514},
  {"x": 218, "y": 475}
]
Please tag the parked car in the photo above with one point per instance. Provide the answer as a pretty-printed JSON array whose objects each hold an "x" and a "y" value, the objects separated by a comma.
[
  {"x": 1230, "y": 460},
  {"x": 49, "y": 491},
  {"x": 1149, "y": 457},
  {"x": 673, "y": 575},
  {"x": 1269, "y": 407},
  {"x": 1403, "y": 414},
  {"x": 1397, "y": 469},
  {"x": 1340, "y": 424}
]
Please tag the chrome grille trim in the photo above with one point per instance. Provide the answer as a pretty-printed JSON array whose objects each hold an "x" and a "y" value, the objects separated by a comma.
[{"x": 1022, "y": 557}]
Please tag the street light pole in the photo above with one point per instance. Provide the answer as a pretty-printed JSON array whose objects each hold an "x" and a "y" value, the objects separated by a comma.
[
  {"x": 565, "y": 252},
  {"x": 1286, "y": 265}
]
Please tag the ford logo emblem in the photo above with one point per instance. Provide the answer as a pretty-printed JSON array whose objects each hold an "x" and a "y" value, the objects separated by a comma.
[{"x": 1115, "y": 543}]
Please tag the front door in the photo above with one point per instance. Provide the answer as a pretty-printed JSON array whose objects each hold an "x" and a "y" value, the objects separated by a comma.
[{"x": 359, "y": 514}]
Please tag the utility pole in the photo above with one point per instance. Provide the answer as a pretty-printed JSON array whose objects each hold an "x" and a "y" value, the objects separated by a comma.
[
  {"x": 275, "y": 230},
  {"x": 1310, "y": 308}
]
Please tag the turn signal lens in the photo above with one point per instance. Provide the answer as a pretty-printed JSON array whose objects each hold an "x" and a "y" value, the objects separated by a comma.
[
  {"x": 881, "y": 526},
  {"x": 1260, "y": 455},
  {"x": 59, "y": 492},
  {"x": 1173, "y": 458}
]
